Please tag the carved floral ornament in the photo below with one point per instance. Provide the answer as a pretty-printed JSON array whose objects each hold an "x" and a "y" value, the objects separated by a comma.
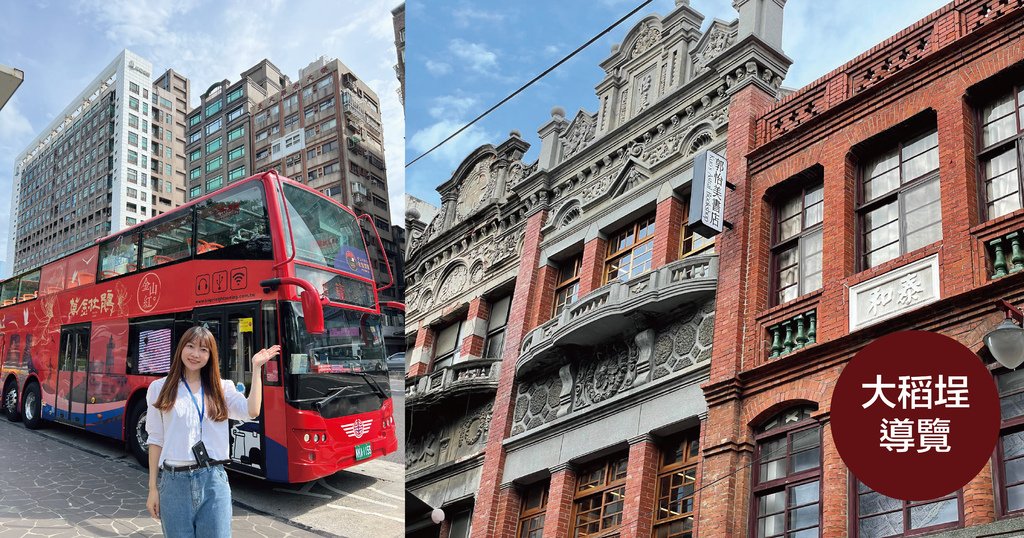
[
  {"x": 649, "y": 36},
  {"x": 578, "y": 135},
  {"x": 718, "y": 40}
]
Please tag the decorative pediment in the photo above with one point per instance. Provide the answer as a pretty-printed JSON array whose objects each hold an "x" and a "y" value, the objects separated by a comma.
[
  {"x": 648, "y": 36},
  {"x": 475, "y": 188},
  {"x": 616, "y": 183},
  {"x": 579, "y": 134},
  {"x": 719, "y": 37}
]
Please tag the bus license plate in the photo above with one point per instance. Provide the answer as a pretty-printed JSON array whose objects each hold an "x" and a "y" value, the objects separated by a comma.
[{"x": 363, "y": 451}]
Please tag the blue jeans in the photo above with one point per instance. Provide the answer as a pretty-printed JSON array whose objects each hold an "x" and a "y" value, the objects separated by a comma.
[{"x": 195, "y": 503}]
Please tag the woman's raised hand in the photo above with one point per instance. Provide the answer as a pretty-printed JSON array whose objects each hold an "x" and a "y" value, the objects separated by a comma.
[{"x": 262, "y": 356}]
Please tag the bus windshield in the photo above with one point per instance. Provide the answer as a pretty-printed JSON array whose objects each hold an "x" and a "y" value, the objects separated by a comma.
[
  {"x": 325, "y": 234},
  {"x": 350, "y": 352}
]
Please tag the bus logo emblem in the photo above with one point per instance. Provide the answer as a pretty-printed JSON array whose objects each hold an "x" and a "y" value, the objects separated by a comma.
[
  {"x": 351, "y": 259},
  {"x": 358, "y": 428},
  {"x": 149, "y": 292}
]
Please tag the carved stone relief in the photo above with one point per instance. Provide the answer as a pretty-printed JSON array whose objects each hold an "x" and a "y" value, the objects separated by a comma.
[
  {"x": 717, "y": 41},
  {"x": 649, "y": 36},
  {"x": 578, "y": 135},
  {"x": 452, "y": 283},
  {"x": 591, "y": 375},
  {"x": 443, "y": 439},
  {"x": 476, "y": 188},
  {"x": 643, "y": 92}
]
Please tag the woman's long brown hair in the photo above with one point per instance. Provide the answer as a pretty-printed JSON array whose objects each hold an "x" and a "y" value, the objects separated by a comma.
[{"x": 210, "y": 375}]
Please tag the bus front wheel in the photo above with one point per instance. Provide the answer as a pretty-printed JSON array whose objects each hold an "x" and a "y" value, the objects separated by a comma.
[
  {"x": 136, "y": 433},
  {"x": 11, "y": 401},
  {"x": 32, "y": 407}
]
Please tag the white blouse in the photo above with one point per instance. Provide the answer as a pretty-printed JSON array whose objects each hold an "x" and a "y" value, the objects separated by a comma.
[{"x": 177, "y": 430}]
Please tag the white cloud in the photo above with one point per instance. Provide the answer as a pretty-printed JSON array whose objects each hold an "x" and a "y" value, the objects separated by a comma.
[
  {"x": 474, "y": 54},
  {"x": 451, "y": 106},
  {"x": 438, "y": 68},
  {"x": 455, "y": 150},
  {"x": 551, "y": 50},
  {"x": 466, "y": 16},
  {"x": 15, "y": 128}
]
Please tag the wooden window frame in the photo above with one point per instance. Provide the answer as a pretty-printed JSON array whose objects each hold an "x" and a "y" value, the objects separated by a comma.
[
  {"x": 529, "y": 515},
  {"x": 1006, "y": 427},
  {"x": 494, "y": 332},
  {"x": 898, "y": 194},
  {"x": 1016, "y": 141},
  {"x": 609, "y": 483},
  {"x": 778, "y": 246},
  {"x": 566, "y": 283},
  {"x": 690, "y": 458},
  {"x": 855, "y": 516},
  {"x": 788, "y": 481},
  {"x": 634, "y": 229}
]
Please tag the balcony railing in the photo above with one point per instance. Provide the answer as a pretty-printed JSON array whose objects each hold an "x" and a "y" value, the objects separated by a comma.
[
  {"x": 480, "y": 375},
  {"x": 1007, "y": 254},
  {"x": 793, "y": 334},
  {"x": 604, "y": 311}
]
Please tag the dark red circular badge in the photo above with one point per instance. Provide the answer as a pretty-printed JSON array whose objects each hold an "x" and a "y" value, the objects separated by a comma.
[{"x": 915, "y": 415}]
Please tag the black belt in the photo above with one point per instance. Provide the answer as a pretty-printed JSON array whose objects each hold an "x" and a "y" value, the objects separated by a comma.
[{"x": 194, "y": 466}]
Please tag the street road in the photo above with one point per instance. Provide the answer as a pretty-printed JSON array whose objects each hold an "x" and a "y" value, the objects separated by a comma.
[{"x": 60, "y": 481}]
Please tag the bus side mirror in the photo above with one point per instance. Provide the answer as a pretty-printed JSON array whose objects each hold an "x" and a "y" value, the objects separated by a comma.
[
  {"x": 313, "y": 312},
  {"x": 312, "y": 308}
]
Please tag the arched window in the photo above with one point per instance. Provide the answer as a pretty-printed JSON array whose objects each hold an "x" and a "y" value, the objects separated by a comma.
[{"x": 787, "y": 476}]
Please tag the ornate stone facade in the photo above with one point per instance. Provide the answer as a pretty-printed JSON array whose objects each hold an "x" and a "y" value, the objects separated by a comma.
[
  {"x": 592, "y": 375},
  {"x": 448, "y": 441}
]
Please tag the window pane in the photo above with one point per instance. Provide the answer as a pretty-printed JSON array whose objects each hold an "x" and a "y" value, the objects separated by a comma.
[
  {"x": 872, "y": 503},
  {"x": 772, "y": 503},
  {"x": 234, "y": 225},
  {"x": 1010, "y": 381},
  {"x": 167, "y": 242},
  {"x": 998, "y": 108},
  {"x": 881, "y": 526},
  {"x": 772, "y": 470},
  {"x": 803, "y": 517},
  {"x": 998, "y": 121},
  {"x": 883, "y": 236},
  {"x": 770, "y": 526},
  {"x": 813, "y": 205},
  {"x": 885, "y": 163},
  {"x": 789, "y": 228},
  {"x": 1015, "y": 471},
  {"x": 882, "y": 255},
  {"x": 936, "y": 513},
  {"x": 921, "y": 165},
  {"x": 812, "y": 262},
  {"x": 920, "y": 144},
  {"x": 924, "y": 237},
  {"x": 805, "y": 460},
  {"x": 805, "y": 439},
  {"x": 804, "y": 494},
  {"x": 1015, "y": 498},
  {"x": 806, "y": 533},
  {"x": 876, "y": 218},
  {"x": 1012, "y": 406}
]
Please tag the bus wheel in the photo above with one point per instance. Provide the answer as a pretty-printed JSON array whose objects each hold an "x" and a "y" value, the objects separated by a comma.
[
  {"x": 11, "y": 401},
  {"x": 136, "y": 434},
  {"x": 32, "y": 407}
]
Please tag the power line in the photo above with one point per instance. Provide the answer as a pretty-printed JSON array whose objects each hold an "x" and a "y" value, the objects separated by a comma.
[{"x": 528, "y": 84}]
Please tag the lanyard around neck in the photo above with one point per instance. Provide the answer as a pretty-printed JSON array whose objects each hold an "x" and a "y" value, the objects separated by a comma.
[{"x": 202, "y": 412}]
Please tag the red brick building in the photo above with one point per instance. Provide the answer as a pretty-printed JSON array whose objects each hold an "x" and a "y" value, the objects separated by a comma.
[{"x": 887, "y": 190}]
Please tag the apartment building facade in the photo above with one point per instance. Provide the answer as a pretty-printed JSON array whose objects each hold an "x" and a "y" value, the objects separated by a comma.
[
  {"x": 884, "y": 196},
  {"x": 561, "y": 312},
  {"x": 101, "y": 165}
]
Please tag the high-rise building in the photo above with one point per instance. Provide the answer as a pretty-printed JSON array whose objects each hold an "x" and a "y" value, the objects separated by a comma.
[
  {"x": 218, "y": 149},
  {"x": 398, "y": 18},
  {"x": 90, "y": 172},
  {"x": 325, "y": 130}
]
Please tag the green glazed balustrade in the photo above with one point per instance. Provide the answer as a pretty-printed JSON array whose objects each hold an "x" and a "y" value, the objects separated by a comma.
[
  {"x": 1007, "y": 254},
  {"x": 793, "y": 334}
]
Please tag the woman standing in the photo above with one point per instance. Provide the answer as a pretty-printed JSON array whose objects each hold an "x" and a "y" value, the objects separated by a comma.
[{"x": 188, "y": 436}]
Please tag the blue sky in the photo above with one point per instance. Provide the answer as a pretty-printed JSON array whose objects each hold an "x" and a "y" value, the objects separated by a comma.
[
  {"x": 61, "y": 46},
  {"x": 462, "y": 57}
]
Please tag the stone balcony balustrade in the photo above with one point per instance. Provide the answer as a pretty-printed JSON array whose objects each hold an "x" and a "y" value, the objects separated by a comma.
[
  {"x": 475, "y": 376},
  {"x": 618, "y": 307}
]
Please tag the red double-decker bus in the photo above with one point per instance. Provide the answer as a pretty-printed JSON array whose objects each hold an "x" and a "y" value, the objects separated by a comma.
[{"x": 264, "y": 261}]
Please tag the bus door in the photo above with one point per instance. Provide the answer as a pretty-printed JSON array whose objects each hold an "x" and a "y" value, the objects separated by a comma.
[
  {"x": 237, "y": 328},
  {"x": 72, "y": 374}
]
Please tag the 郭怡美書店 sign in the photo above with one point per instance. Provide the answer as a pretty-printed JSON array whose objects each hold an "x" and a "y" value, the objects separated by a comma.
[{"x": 707, "y": 194}]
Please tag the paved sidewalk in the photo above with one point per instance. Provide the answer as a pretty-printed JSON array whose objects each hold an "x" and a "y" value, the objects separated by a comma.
[{"x": 48, "y": 488}]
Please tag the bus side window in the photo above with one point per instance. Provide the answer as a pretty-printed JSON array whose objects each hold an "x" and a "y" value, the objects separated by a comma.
[
  {"x": 234, "y": 225},
  {"x": 9, "y": 293},
  {"x": 151, "y": 343},
  {"x": 119, "y": 256},
  {"x": 167, "y": 241}
]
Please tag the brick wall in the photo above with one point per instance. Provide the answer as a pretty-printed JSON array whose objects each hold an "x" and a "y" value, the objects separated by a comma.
[
  {"x": 641, "y": 489},
  {"x": 937, "y": 84},
  {"x": 592, "y": 268},
  {"x": 557, "y": 518},
  {"x": 668, "y": 224},
  {"x": 485, "y": 514}
]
